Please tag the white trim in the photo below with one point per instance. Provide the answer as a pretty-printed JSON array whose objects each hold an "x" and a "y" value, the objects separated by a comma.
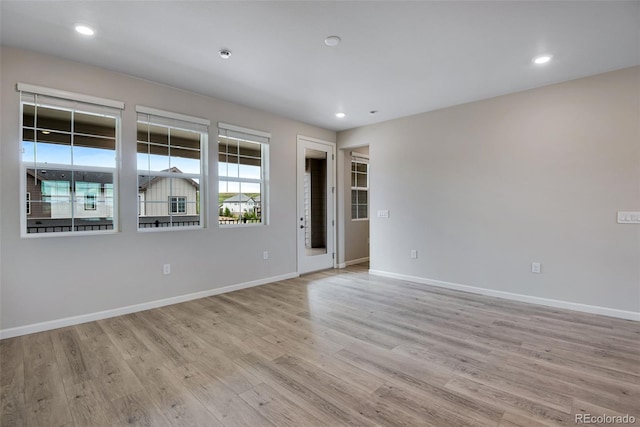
[
  {"x": 334, "y": 180},
  {"x": 585, "y": 308},
  {"x": 171, "y": 115},
  {"x": 341, "y": 265},
  {"x": 90, "y": 317},
  {"x": 235, "y": 128},
  {"x": 356, "y": 261},
  {"x": 57, "y": 93},
  {"x": 355, "y": 154}
]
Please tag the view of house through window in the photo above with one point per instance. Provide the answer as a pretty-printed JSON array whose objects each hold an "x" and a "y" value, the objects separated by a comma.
[
  {"x": 242, "y": 163},
  {"x": 170, "y": 169},
  {"x": 69, "y": 152},
  {"x": 359, "y": 188}
]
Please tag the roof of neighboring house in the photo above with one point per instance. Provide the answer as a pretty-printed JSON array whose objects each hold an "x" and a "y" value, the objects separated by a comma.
[
  {"x": 237, "y": 198},
  {"x": 146, "y": 183}
]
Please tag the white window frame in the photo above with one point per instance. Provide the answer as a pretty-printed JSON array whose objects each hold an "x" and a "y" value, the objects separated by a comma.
[
  {"x": 92, "y": 204},
  {"x": 177, "y": 199},
  {"x": 358, "y": 158},
  {"x": 69, "y": 101},
  {"x": 179, "y": 121},
  {"x": 226, "y": 130}
]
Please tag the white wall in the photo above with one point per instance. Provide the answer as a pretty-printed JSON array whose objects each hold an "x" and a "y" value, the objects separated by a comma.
[
  {"x": 493, "y": 185},
  {"x": 44, "y": 279}
]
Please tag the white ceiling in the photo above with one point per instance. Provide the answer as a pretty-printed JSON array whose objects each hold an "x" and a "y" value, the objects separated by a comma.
[{"x": 399, "y": 58}]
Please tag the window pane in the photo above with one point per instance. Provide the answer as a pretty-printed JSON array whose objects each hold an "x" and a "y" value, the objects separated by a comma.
[
  {"x": 184, "y": 161},
  {"x": 52, "y": 119},
  {"x": 153, "y": 134},
  {"x": 28, "y": 115},
  {"x": 230, "y": 169},
  {"x": 68, "y": 200},
  {"x": 158, "y": 162},
  {"x": 51, "y": 207},
  {"x": 94, "y": 199},
  {"x": 91, "y": 124},
  {"x": 53, "y": 148},
  {"x": 354, "y": 212},
  {"x": 228, "y": 187},
  {"x": 361, "y": 181},
  {"x": 361, "y": 167},
  {"x": 362, "y": 211},
  {"x": 89, "y": 151},
  {"x": 240, "y": 202},
  {"x": 167, "y": 202},
  {"x": 28, "y": 151},
  {"x": 363, "y": 196}
]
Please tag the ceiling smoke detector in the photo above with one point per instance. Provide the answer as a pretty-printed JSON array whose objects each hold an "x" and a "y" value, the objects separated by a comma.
[
  {"x": 332, "y": 41},
  {"x": 224, "y": 53}
]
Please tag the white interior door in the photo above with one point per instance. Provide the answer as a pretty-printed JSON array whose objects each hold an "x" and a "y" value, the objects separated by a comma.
[{"x": 316, "y": 205}]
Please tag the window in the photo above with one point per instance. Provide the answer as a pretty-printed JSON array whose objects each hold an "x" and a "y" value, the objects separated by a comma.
[
  {"x": 171, "y": 158},
  {"x": 243, "y": 175},
  {"x": 69, "y": 161},
  {"x": 359, "y": 187},
  {"x": 177, "y": 205}
]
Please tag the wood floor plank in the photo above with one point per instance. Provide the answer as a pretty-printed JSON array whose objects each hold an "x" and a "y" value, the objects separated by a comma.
[
  {"x": 139, "y": 410},
  {"x": 12, "y": 405},
  {"x": 178, "y": 405},
  {"x": 44, "y": 395},
  {"x": 278, "y": 409},
  {"x": 219, "y": 399},
  {"x": 88, "y": 405},
  {"x": 336, "y": 347}
]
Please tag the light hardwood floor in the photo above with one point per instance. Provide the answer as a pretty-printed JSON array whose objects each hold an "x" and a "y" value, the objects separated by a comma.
[{"x": 329, "y": 349}]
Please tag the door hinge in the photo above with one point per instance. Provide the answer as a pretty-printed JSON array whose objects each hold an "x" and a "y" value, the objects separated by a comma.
[
  {"x": 333, "y": 157},
  {"x": 333, "y": 190},
  {"x": 333, "y": 222},
  {"x": 333, "y": 255}
]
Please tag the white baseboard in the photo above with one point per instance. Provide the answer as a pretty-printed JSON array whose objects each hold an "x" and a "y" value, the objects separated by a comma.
[
  {"x": 357, "y": 261},
  {"x": 593, "y": 309},
  {"x": 90, "y": 317},
  {"x": 341, "y": 265}
]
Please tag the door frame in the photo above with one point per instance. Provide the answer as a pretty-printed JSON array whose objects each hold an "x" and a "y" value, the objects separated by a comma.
[{"x": 333, "y": 211}]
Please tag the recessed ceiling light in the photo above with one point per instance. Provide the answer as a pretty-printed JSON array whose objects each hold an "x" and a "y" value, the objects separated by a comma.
[
  {"x": 542, "y": 59},
  {"x": 84, "y": 30},
  {"x": 332, "y": 41},
  {"x": 45, "y": 132},
  {"x": 225, "y": 53},
  {"x": 340, "y": 115}
]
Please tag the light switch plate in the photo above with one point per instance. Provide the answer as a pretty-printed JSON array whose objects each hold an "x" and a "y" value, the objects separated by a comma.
[
  {"x": 383, "y": 213},
  {"x": 628, "y": 217}
]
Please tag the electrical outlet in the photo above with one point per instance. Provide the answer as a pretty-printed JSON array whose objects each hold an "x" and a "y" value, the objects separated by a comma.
[
  {"x": 166, "y": 269},
  {"x": 265, "y": 255},
  {"x": 414, "y": 254},
  {"x": 536, "y": 267},
  {"x": 628, "y": 217}
]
